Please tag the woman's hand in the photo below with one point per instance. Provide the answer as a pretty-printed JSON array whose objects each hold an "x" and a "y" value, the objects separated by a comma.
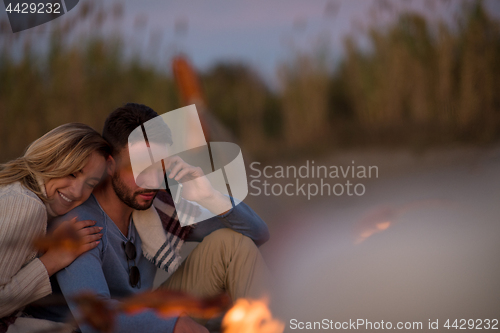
[{"x": 66, "y": 242}]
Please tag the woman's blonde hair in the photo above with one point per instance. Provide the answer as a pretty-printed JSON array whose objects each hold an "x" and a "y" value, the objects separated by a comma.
[{"x": 58, "y": 153}]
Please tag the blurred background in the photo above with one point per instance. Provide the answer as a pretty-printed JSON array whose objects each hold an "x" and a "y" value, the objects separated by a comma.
[
  {"x": 284, "y": 77},
  {"x": 411, "y": 86}
]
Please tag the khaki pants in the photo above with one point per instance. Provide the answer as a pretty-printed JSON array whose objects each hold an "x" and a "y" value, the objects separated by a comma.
[{"x": 225, "y": 261}]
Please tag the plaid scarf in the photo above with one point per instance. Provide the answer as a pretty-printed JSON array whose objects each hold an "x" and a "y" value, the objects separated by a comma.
[{"x": 161, "y": 232}]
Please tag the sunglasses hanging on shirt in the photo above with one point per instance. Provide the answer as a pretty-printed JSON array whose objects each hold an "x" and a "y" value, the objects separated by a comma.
[{"x": 134, "y": 277}]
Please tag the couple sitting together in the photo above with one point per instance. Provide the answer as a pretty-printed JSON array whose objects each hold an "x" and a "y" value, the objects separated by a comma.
[{"x": 74, "y": 177}]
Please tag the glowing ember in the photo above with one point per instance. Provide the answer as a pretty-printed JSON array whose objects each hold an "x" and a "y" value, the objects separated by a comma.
[
  {"x": 382, "y": 218},
  {"x": 383, "y": 225},
  {"x": 251, "y": 316},
  {"x": 374, "y": 222}
]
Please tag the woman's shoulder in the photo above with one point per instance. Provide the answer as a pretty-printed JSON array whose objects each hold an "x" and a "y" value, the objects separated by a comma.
[
  {"x": 20, "y": 201},
  {"x": 23, "y": 214},
  {"x": 17, "y": 193}
]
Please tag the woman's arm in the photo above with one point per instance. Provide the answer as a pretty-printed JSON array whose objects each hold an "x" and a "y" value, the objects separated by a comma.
[{"x": 22, "y": 219}]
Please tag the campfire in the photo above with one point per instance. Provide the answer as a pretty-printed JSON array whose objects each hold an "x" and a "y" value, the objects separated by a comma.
[
  {"x": 246, "y": 316},
  {"x": 251, "y": 316}
]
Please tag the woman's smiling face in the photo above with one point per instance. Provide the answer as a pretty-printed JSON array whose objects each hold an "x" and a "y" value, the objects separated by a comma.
[{"x": 68, "y": 192}]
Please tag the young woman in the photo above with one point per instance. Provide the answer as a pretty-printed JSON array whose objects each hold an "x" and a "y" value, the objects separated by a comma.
[{"x": 57, "y": 173}]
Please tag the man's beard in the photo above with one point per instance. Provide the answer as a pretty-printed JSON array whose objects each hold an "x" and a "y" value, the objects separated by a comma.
[{"x": 125, "y": 195}]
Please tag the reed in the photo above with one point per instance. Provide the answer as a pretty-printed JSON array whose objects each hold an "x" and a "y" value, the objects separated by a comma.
[{"x": 420, "y": 84}]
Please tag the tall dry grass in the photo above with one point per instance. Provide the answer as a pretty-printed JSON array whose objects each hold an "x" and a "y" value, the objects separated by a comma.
[
  {"x": 421, "y": 78},
  {"x": 420, "y": 84},
  {"x": 77, "y": 78}
]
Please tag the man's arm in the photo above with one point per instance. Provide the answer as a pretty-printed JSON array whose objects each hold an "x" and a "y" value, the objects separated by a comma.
[
  {"x": 198, "y": 188},
  {"x": 241, "y": 219}
]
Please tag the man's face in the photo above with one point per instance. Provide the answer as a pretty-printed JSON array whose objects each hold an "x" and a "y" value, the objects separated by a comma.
[{"x": 125, "y": 185}]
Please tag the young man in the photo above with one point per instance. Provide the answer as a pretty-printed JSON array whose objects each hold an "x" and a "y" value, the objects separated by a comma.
[{"x": 227, "y": 259}]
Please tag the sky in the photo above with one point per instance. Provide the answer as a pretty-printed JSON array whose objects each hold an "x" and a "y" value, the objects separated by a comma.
[
  {"x": 260, "y": 33},
  {"x": 263, "y": 33}
]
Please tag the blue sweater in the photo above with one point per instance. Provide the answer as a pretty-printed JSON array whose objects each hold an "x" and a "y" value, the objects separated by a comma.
[{"x": 104, "y": 269}]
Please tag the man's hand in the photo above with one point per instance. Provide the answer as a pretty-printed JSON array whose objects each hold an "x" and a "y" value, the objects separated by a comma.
[
  {"x": 187, "y": 325},
  {"x": 196, "y": 186}
]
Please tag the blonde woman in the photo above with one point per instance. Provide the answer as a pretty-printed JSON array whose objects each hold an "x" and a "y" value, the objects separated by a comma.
[{"x": 57, "y": 173}]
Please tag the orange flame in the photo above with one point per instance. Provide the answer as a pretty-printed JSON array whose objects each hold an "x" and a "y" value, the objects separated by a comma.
[
  {"x": 65, "y": 237},
  {"x": 251, "y": 316},
  {"x": 101, "y": 315},
  {"x": 167, "y": 303}
]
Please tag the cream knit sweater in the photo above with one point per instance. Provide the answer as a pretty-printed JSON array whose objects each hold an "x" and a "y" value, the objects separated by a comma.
[{"x": 23, "y": 277}]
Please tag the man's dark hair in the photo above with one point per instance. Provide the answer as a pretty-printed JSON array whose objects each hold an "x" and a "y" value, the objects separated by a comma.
[{"x": 122, "y": 121}]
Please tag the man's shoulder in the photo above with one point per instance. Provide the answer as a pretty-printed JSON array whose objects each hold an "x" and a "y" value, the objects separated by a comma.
[{"x": 89, "y": 210}]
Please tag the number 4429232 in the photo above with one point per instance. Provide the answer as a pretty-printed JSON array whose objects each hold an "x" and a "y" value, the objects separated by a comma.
[
  {"x": 478, "y": 324},
  {"x": 32, "y": 8}
]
